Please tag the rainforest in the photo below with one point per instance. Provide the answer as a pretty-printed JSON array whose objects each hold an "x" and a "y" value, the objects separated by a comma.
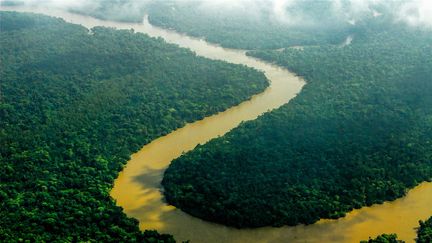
[
  {"x": 215, "y": 121},
  {"x": 76, "y": 104}
]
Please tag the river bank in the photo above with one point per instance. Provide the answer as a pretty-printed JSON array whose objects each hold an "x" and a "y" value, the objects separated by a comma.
[{"x": 137, "y": 188}]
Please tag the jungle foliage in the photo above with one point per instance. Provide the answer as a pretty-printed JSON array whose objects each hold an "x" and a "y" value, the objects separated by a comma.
[
  {"x": 424, "y": 235},
  {"x": 424, "y": 232},
  {"x": 384, "y": 238},
  {"x": 75, "y": 104},
  {"x": 258, "y": 24},
  {"x": 359, "y": 133},
  {"x": 252, "y": 27}
]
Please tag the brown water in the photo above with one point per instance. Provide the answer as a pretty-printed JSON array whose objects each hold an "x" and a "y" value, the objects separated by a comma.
[{"x": 137, "y": 189}]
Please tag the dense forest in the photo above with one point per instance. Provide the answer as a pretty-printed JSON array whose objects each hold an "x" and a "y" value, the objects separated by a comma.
[
  {"x": 251, "y": 24},
  {"x": 75, "y": 104},
  {"x": 424, "y": 232},
  {"x": 424, "y": 235},
  {"x": 254, "y": 26},
  {"x": 359, "y": 133},
  {"x": 384, "y": 238}
]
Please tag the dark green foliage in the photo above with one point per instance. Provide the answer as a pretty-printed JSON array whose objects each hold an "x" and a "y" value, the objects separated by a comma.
[
  {"x": 424, "y": 235},
  {"x": 384, "y": 238},
  {"x": 259, "y": 24},
  {"x": 75, "y": 105},
  {"x": 252, "y": 27},
  {"x": 424, "y": 232},
  {"x": 359, "y": 133}
]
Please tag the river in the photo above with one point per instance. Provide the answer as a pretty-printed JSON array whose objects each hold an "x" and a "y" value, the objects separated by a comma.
[{"x": 137, "y": 189}]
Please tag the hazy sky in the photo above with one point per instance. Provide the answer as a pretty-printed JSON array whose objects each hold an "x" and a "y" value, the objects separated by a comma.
[{"x": 415, "y": 12}]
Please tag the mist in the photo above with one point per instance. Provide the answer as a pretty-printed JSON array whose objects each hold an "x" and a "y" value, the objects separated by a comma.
[{"x": 287, "y": 12}]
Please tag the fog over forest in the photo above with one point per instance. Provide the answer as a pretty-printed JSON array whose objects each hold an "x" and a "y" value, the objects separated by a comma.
[{"x": 415, "y": 13}]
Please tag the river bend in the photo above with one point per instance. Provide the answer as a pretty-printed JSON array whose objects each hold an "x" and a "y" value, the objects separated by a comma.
[{"x": 138, "y": 191}]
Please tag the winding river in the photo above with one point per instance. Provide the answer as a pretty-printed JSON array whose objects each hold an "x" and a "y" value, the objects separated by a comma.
[{"x": 137, "y": 189}]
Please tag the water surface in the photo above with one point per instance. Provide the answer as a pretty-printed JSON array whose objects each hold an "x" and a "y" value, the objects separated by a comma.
[{"x": 137, "y": 189}]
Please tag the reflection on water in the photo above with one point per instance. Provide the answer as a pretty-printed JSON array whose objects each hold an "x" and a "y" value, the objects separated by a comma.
[{"x": 137, "y": 189}]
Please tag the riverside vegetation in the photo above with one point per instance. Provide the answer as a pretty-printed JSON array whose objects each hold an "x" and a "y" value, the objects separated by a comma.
[
  {"x": 424, "y": 232},
  {"x": 75, "y": 104},
  {"x": 359, "y": 133},
  {"x": 254, "y": 27},
  {"x": 424, "y": 235}
]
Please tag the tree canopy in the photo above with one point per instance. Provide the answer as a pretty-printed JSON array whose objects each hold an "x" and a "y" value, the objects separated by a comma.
[
  {"x": 359, "y": 133},
  {"x": 75, "y": 104},
  {"x": 384, "y": 238},
  {"x": 424, "y": 232}
]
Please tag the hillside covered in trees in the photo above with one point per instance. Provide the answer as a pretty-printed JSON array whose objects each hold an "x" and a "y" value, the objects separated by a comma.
[
  {"x": 75, "y": 104},
  {"x": 359, "y": 133}
]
